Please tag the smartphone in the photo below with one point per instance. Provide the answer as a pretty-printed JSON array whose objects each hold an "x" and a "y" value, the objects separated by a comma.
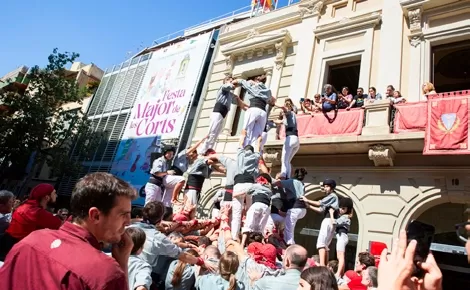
[
  {"x": 423, "y": 234},
  {"x": 302, "y": 99}
]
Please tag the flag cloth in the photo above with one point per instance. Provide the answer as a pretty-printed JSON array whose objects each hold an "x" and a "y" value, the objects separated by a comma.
[
  {"x": 410, "y": 117},
  {"x": 447, "y": 126}
]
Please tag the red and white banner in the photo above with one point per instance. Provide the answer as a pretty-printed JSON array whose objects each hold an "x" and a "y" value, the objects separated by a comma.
[{"x": 447, "y": 126}]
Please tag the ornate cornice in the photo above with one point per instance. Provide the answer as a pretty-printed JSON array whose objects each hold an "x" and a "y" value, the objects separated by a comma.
[
  {"x": 310, "y": 8},
  {"x": 255, "y": 40},
  {"x": 413, "y": 10},
  {"x": 382, "y": 155},
  {"x": 272, "y": 157},
  {"x": 255, "y": 45},
  {"x": 369, "y": 20}
]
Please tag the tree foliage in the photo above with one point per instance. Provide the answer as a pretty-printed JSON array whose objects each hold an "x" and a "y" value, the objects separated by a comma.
[{"x": 36, "y": 120}]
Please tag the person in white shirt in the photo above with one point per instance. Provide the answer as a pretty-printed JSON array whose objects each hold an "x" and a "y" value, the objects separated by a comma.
[{"x": 140, "y": 272}]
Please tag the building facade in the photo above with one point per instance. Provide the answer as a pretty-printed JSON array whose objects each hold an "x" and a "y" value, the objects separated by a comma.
[{"x": 356, "y": 43}]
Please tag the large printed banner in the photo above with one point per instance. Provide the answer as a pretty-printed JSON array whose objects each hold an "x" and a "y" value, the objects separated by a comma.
[
  {"x": 410, "y": 117},
  {"x": 161, "y": 105},
  {"x": 340, "y": 123},
  {"x": 447, "y": 127}
]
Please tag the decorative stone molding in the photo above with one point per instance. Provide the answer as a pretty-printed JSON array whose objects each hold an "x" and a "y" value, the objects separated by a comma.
[
  {"x": 268, "y": 71},
  {"x": 256, "y": 41},
  {"x": 252, "y": 33},
  {"x": 272, "y": 157},
  {"x": 415, "y": 40},
  {"x": 382, "y": 155},
  {"x": 348, "y": 24},
  {"x": 413, "y": 10},
  {"x": 414, "y": 18},
  {"x": 281, "y": 48},
  {"x": 255, "y": 44},
  {"x": 228, "y": 65},
  {"x": 309, "y": 8}
]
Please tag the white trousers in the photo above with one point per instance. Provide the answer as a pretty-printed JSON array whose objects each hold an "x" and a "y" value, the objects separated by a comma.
[
  {"x": 254, "y": 124},
  {"x": 215, "y": 127},
  {"x": 264, "y": 139},
  {"x": 152, "y": 192},
  {"x": 292, "y": 216},
  {"x": 256, "y": 218},
  {"x": 238, "y": 203},
  {"x": 275, "y": 221},
  {"x": 342, "y": 241},
  {"x": 290, "y": 148},
  {"x": 169, "y": 182},
  {"x": 326, "y": 234},
  {"x": 237, "y": 208},
  {"x": 191, "y": 196}
]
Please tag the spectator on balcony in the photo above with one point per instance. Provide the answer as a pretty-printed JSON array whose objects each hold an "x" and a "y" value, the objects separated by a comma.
[
  {"x": 317, "y": 103},
  {"x": 359, "y": 99},
  {"x": 389, "y": 91},
  {"x": 329, "y": 99},
  {"x": 306, "y": 106},
  {"x": 345, "y": 98},
  {"x": 397, "y": 98},
  {"x": 428, "y": 89},
  {"x": 373, "y": 95}
]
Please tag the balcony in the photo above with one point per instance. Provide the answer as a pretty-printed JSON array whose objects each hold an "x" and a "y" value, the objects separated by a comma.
[{"x": 379, "y": 130}]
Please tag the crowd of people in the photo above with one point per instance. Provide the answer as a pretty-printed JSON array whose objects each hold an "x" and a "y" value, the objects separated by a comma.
[{"x": 246, "y": 243}]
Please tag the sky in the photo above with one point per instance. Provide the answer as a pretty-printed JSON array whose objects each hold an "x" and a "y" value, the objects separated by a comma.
[{"x": 104, "y": 32}]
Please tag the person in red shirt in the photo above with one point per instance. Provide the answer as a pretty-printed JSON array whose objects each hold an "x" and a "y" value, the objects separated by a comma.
[
  {"x": 364, "y": 260},
  {"x": 71, "y": 257},
  {"x": 30, "y": 216}
]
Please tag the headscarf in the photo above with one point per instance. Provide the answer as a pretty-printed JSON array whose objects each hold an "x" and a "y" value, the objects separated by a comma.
[{"x": 263, "y": 254}]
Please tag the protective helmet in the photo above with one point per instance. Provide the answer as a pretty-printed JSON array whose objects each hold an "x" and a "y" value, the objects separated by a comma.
[
  {"x": 330, "y": 182},
  {"x": 168, "y": 149}
]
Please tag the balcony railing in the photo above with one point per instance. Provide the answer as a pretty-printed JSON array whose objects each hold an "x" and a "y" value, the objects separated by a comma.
[{"x": 378, "y": 118}]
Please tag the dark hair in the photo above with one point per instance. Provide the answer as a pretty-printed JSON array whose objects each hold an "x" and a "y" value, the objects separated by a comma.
[
  {"x": 138, "y": 238},
  {"x": 347, "y": 203},
  {"x": 347, "y": 89},
  {"x": 366, "y": 258},
  {"x": 136, "y": 212},
  {"x": 178, "y": 273},
  {"x": 168, "y": 214},
  {"x": 98, "y": 190},
  {"x": 359, "y": 88},
  {"x": 320, "y": 278},
  {"x": 250, "y": 148},
  {"x": 153, "y": 212},
  {"x": 333, "y": 264},
  {"x": 390, "y": 87},
  {"x": 261, "y": 78},
  {"x": 254, "y": 237},
  {"x": 300, "y": 173},
  {"x": 204, "y": 241},
  {"x": 373, "y": 88}
]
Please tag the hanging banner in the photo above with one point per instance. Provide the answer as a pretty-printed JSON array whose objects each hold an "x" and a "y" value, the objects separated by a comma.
[
  {"x": 447, "y": 126},
  {"x": 161, "y": 106}
]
